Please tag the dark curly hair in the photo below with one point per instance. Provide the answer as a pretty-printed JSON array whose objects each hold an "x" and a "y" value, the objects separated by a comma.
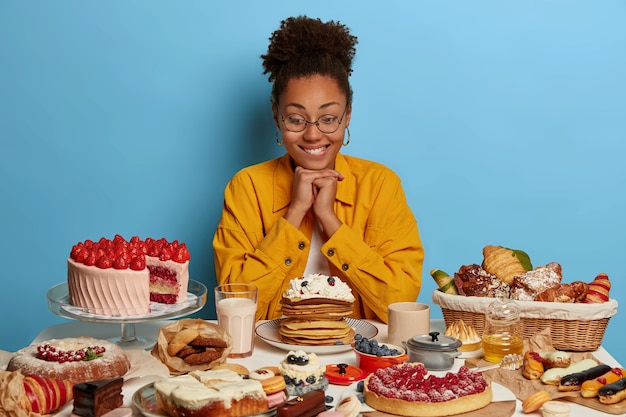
[{"x": 303, "y": 47}]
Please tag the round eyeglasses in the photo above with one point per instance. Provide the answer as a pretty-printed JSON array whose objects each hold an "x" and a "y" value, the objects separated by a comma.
[{"x": 327, "y": 123}]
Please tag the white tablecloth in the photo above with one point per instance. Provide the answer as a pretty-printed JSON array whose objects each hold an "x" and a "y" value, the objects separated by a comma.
[{"x": 267, "y": 355}]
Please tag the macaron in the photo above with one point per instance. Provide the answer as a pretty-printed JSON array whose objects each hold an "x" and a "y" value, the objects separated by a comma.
[
  {"x": 555, "y": 409},
  {"x": 274, "y": 369},
  {"x": 349, "y": 406},
  {"x": 261, "y": 374},
  {"x": 273, "y": 384},
  {"x": 276, "y": 398}
]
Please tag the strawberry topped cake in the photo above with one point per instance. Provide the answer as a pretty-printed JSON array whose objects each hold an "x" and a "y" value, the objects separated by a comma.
[
  {"x": 120, "y": 278},
  {"x": 408, "y": 390}
]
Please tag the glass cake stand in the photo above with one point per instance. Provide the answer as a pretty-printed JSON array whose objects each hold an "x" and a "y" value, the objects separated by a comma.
[{"x": 59, "y": 304}]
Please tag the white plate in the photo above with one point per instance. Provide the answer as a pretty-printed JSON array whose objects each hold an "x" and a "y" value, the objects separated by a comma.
[
  {"x": 268, "y": 331},
  {"x": 145, "y": 401}
]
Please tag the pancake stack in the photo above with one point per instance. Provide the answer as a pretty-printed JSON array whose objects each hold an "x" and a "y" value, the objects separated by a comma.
[{"x": 315, "y": 307}]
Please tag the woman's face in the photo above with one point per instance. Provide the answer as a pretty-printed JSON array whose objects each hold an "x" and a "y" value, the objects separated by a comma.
[{"x": 312, "y": 99}]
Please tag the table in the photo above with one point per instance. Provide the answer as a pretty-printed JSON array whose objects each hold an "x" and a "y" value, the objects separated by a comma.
[{"x": 266, "y": 354}]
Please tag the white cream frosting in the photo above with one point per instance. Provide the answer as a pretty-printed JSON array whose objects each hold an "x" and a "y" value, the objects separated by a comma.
[
  {"x": 214, "y": 376},
  {"x": 302, "y": 372},
  {"x": 199, "y": 388},
  {"x": 108, "y": 291},
  {"x": 121, "y": 292},
  {"x": 318, "y": 286}
]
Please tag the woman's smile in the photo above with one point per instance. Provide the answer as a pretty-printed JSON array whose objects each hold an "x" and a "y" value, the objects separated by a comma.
[{"x": 319, "y": 150}]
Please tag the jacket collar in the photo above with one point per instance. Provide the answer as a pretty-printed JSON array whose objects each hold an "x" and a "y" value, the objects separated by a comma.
[{"x": 283, "y": 180}]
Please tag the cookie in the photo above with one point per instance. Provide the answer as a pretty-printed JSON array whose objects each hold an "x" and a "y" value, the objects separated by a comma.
[
  {"x": 239, "y": 369},
  {"x": 212, "y": 342},
  {"x": 204, "y": 357},
  {"x": 180, "y": 340},
  {"x": 188, "y": 350}
]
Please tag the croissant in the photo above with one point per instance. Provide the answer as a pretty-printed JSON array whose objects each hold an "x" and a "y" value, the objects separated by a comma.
[
  {"x": 565, "y": 293},
  {"x": 505, "y": 263},
  {"x": 598, "y": 289},
  {"x": 25, "y": 395}
]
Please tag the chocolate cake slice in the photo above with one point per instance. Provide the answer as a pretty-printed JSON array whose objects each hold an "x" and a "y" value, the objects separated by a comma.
[{"x": 96, "y": 398}]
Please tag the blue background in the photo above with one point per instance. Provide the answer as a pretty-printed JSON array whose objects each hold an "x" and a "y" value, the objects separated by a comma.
[{"x": 505, "y": 120}]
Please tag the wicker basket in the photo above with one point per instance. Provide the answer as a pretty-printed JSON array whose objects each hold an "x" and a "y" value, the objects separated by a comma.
[{"x": 573, "y": 327}]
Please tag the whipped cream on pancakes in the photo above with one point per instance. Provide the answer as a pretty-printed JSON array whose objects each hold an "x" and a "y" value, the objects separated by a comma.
[
  {"x": 314, "y": 308},
  {"x": 318, "y": 286}
]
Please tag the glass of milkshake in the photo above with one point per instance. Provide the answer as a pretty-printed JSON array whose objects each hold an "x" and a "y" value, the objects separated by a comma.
[{"x": 236, "y": 313}]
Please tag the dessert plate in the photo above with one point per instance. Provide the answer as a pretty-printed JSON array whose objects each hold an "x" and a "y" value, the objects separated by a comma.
[
  {"x": 268, "y": 331},
  {"x": 145, "y": 401}
]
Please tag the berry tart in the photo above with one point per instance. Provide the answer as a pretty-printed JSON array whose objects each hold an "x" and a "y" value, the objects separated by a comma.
[{"x": 408, "y": 390}]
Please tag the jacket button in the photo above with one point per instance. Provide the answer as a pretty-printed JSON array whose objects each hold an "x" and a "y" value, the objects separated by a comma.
[
  {"x": 344, "y": 267},
  {"x": 331, "y": 252},
  {"x": 301, "y": 245},
  {"x": 288, "y": 261}
]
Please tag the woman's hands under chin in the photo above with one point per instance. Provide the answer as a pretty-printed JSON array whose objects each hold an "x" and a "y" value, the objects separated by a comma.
[{"x": 314, "y": 189}]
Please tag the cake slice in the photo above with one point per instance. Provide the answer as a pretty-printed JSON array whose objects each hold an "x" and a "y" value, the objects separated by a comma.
[
  {"x": 168, "y": 263},
  {"x": 96, "y": 398}
]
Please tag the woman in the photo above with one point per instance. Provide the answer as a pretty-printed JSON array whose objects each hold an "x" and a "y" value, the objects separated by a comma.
[{"x": 315, "y": 210}]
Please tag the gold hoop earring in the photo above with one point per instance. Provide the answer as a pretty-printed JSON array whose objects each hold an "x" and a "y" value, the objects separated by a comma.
[
  {"x": 279, "y": 142},
  {"x": 346, "y": 143}
]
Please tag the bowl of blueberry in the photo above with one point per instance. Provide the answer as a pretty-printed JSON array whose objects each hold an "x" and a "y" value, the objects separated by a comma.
[{"x": 372, "y": 355}]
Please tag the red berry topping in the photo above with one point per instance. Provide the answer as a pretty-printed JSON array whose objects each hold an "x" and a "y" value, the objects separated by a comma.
[
  {"x": 49, "y": 353},
  {"x": 104, "y": 262},
  {"x": 122, "y": 254},
  {"x": 91, "y": 259},
  {"x": 121, "y": 262},
  {"x": 138, "y": 263}
]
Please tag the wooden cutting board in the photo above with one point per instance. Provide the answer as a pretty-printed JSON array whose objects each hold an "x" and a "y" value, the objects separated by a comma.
[
  {"x": 533, "y": 386},
  {"x": 500, "y": 408}
]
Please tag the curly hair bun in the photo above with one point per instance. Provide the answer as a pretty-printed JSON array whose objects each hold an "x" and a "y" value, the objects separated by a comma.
[{"x": 304, "y": 46}]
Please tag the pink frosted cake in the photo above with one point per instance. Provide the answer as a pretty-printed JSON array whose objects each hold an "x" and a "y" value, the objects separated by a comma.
[{"x": 120, "y": 278}]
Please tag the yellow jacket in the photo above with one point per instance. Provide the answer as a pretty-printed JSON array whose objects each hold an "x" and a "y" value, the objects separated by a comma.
[{"x": 377, "y": 250}]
